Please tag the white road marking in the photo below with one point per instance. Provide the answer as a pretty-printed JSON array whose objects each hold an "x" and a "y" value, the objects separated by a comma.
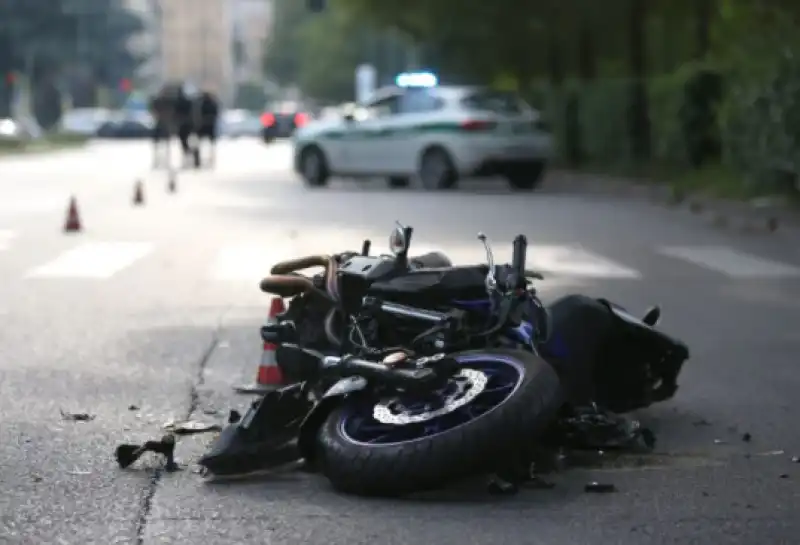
[
  {"x": 730, "y": 262},
  {"x": 250, "y": 262},
  {"x": 94, "y": 260},
  {"x": 576, "y": 262},
  {"x": 6, "y": 238}
]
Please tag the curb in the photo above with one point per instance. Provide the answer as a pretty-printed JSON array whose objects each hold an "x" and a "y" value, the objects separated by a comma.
[
  {"x": 762, "y": 216},
  {"x": 765, "y": 215}
]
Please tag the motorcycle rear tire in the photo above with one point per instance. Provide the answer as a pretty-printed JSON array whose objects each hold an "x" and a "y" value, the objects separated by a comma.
[{"x": 432, "y": 462}]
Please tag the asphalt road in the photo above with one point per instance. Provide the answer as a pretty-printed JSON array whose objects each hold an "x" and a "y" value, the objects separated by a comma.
[{"x": 151, "y": 314}]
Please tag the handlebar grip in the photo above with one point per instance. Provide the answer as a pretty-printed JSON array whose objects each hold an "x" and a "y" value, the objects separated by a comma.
[{"x": 519, "y": 256}]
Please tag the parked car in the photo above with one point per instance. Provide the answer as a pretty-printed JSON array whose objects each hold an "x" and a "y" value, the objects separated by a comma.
[
  {"x": 83, "y": 121},
  {"x": 20, "y": 130},
  {"x": 132, "y": 124},
  {"x": 281, "y": 120},
  {"x": 436, "y": 133},
  {"x": 238, "y": 123}
]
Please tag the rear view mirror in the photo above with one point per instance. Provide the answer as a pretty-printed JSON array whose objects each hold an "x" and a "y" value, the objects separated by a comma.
[{"x": 397, "y": 241}]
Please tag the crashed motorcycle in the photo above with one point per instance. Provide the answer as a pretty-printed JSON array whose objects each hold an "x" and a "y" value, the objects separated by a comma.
[{"x": 409, "y": 373}]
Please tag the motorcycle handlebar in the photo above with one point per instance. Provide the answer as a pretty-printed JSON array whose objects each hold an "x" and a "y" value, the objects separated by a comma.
[{"x": 519, "y": 257}]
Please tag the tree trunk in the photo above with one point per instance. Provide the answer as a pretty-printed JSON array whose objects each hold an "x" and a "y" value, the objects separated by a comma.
[
  {"x": 639, "y": 119},
  {"x": 555, "y": 61},
  {"x": 703, "y": 27},
  {"x": 587, "y": 61}
]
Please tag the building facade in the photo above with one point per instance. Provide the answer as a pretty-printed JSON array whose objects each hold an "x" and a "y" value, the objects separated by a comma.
[
  {"x": 197, "y": 44},
  {"x": 252, "y": 22}
]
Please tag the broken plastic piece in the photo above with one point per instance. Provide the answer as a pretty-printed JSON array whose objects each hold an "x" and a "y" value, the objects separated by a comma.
[
  {"x": 127, "y": 454},
  {"x": 190, "y": 427},
  {"x": 77, "y": 417},
  {"x": 600, "y": 488},
  {"x": 500, "y": 486},
  {"x": 747, "y": 437}
]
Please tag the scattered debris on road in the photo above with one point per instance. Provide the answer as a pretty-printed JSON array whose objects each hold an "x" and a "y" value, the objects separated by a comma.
[
  {"x": 127, "y": 454},
  {"x": 599, "y": 488},
  {"x": 77, "y": 417},
  {"x": 190, "y": 427}
]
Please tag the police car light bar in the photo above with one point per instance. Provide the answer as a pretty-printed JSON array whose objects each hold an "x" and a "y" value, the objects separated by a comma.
[{"x": 416, "y": 79}]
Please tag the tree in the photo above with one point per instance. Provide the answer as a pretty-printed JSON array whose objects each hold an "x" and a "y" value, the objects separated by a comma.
[{"x": 45, "y": 39}]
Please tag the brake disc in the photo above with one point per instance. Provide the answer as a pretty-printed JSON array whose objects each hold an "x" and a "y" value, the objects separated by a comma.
[{"x": 469, "y": 384}]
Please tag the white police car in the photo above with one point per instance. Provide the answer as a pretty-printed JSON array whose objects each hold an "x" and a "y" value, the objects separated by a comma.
[{"x": 433, "y": 132}]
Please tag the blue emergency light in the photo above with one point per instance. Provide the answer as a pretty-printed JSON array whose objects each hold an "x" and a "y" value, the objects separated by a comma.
[{"x": 416, "y": 79}]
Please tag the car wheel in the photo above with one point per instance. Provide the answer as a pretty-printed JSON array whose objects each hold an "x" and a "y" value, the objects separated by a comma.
[
  {"x": 399, "y": 182},
  {"x": 436, "y": 170},
  {"x": 525, "y": 177},
  {"x": 314, "y": 167}
]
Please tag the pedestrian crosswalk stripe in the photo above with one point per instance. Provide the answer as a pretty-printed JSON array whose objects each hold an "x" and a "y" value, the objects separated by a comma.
[
  {"x": 248, "y": 262},
  {"x": 574, "y": 261},
  {"x": 94, "y": 260},
  {"x": 730, "y": 262},
  {"x": 6, "y": 237}
]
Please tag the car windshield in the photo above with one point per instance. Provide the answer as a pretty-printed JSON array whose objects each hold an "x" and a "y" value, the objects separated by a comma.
[{"x": 501, "y": 102}]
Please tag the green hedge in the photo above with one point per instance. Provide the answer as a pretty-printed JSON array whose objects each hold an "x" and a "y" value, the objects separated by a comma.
[
  {"x": 700, "y": 116},
  {"x": 48, "y": 142}
]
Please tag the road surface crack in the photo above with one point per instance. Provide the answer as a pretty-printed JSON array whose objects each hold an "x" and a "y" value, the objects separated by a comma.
[{"x": 194, "y": 400}]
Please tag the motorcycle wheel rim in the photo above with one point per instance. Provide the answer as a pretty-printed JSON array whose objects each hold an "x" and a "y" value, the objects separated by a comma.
[{"x": 504, "y": 377}]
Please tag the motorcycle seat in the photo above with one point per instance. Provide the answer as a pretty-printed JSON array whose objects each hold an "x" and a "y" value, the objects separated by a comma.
[{"x": 431, "y": 260}]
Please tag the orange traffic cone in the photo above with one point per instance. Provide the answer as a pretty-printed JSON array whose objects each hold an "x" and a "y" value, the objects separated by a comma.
[
  {"x": 268, "y": 376},
  {"x": 138, "y": 194},
  {"x": 73, "y": 223}
]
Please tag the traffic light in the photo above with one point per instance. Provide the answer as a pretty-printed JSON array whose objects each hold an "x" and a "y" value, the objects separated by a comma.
[
  {"x": 125, "y": 85},
  {"x": 315, "y": 5}
]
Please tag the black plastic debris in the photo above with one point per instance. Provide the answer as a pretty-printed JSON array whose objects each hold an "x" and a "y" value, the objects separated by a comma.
[
  {"x": 190, "y": 427},
  {"x": 784, "y": 475},
  {"x": 592, "y": 428},
  {"x": 133, "y": 407},
  {"x": 501, "y": 487},
  {"x": 747, "y": 437},
  {"x": 127, "y": 454},
  {"x": 77, "y": 417},
  {"x": 599, "y": 488}
]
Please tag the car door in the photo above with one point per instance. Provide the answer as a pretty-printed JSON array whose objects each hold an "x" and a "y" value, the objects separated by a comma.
[
  {"x": 369, "y": 147},
  {"x": 417, "y": 110}
]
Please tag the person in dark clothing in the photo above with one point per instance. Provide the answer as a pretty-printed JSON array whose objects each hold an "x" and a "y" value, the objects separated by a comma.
[
  {"x": 182, "y": 111},
  {"x": 206, "y": 125}
]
